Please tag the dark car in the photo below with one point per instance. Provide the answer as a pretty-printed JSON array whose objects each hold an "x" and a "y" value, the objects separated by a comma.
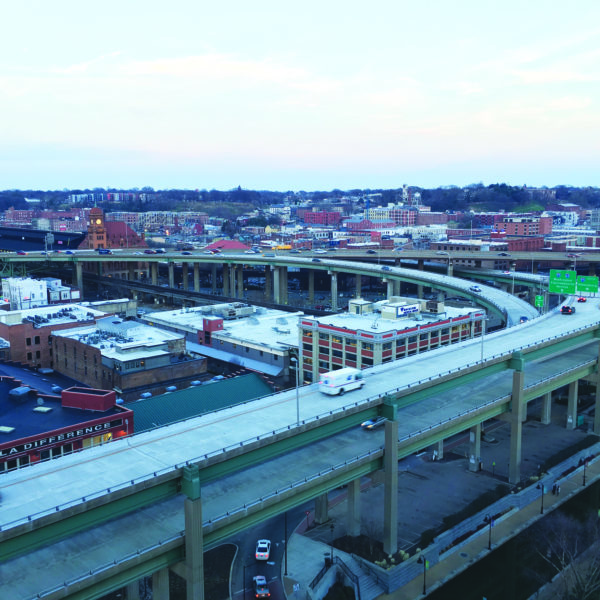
[
  {"x": 22, "y": 253},
  {"x": 371, "y": 252},
  {"x": 503, "y": 254},
  {"x": 386, "y": 268},
  {"x": 567, "y": 310},
  {"x": 149, "y": 251},
  {"x": 261, "y": 587},
  {"x": 186, "y": 253},
  {"x": 316, "y": 260},
  {"x": 373, "y": 423}
]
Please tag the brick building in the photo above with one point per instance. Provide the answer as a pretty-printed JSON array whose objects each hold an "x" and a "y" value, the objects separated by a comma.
[
  {"x": 373, "y": 333},
  {"x": 126, "y": 356},
  {"x": 28, "y": 332}
]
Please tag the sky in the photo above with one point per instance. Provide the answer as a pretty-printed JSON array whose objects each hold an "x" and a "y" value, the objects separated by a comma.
[{"x": 310, "y": 95}]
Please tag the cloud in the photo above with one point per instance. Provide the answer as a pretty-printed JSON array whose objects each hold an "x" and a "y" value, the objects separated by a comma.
[{"x": 84, "y": 67}]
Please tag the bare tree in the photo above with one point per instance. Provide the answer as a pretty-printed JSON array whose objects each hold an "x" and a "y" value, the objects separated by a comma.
[{"x": 563, "y": 543}]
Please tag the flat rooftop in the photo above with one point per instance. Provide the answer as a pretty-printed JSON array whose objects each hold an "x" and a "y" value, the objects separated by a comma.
[
  {"x": 273, "y": 328},
  {"x": 120, "y": 339},
  {"x": 51, "y": 315},
  {"x": 375, "y": 322},
  {"x": 21, "y": 420}
]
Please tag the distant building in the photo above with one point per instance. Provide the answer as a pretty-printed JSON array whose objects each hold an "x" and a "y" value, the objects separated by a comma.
[
  {"x": 373, "y": 333},
  {"x": 127, "y": 356},
  {"x": 524, "y": 225}
]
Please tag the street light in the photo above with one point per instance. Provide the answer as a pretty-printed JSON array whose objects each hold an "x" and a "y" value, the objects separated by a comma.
[
  {"x": 423, "y": 561},
  {"x": 297, "y": 364},
  {"x": 541, "y": 487},
  {"x": 490, "y": 521},
  {"x": 483, "y": 322}
]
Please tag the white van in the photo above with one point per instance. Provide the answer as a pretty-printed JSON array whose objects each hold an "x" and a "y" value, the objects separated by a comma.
[{"x": 340, "y": 381}]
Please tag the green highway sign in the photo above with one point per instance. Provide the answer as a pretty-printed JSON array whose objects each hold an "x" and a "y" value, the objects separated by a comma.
[
  {"x": 587, "y": 284},
  {"x": 539, "y": 301},
  {"x": 562, "y": 282}
]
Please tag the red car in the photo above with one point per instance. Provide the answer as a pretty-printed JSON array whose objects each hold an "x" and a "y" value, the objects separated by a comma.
[{"x": 582, "y": 299}]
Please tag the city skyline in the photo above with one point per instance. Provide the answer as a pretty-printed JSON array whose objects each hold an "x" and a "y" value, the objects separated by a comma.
[{"x": 320, "y": 96}]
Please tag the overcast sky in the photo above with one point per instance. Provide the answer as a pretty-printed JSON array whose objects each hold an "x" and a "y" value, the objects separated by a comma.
[{"x": 298, "y": 96}]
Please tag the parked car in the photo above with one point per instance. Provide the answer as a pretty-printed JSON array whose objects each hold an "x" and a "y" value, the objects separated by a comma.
[
  {"x": 263, "y": 549},
  {"x": 261, "y": 587},
  {"x": 567, "y": 310}
]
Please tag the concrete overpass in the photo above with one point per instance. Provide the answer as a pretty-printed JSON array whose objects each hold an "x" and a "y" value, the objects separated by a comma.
[
  {"x": 497, "y": 302},
  {"x": 101, "y": 519}
]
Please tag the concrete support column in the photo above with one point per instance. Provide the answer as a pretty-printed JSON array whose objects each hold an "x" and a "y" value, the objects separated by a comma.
[
  {"x": 277, "y": 285},
  {"x": 396, "y": 287},
  {"x": 420, "y": 291},
  {"x": 311, "y": 287},
  {"x": 268, "y": 282},
  {"x": 358, "y": 291},
  {"x": 131, "y": 271},
  {"x": 390, "y": 501},
  {"x": 440, "y": 450},
  {"x": 597, "y": 404},
  {"x": 213, "y": 278},
  {"x": 240, "y": 281},
  {"x": 572, "y": 405},
  {"x": 283, "y": 280},
  {"x": 194, "y": 544},
  {"x": 79, "y": 278},
  {"x": 450, "y": 270},
  {"x": 99, "y": 269},
  {"x": 546, "y": 416},
  {"x": 160, "y": 585},
  {"x": 321, "y": 509},
  {"x": 516, "y": 427},
  {"x": 390, "y": 288},
  {"x": 474, "y": 447},
  {"x": 184, "y": 275},
  {"x": 133, "y": 591},
  {"x": 334, "y": 291},
  {"x": 171, "y": 275},
  {"x": 225, "y": 280},
  {"x": 232, "y": 274},
  {"x": 353, "y": 516},
  {"x": 197, "y": 277},
  {"x": 154, "y": 272}
]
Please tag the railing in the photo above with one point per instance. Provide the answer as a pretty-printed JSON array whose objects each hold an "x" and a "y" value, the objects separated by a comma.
[{"x": 346, "y": 570}]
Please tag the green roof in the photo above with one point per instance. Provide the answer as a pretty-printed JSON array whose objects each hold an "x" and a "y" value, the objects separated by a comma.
[{"x": 197, "y": 400}]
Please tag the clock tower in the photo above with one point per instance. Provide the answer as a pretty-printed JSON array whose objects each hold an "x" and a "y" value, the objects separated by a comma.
[{"x": 96, "y": 231}]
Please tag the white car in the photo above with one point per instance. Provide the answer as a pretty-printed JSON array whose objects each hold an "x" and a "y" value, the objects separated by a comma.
[
  {"x": 320, "y": 251},
  {"x": 263, "y": 549},
  {"x": 475, "y": 288}
]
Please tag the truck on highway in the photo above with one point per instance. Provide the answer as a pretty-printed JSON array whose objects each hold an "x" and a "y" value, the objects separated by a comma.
[{"x": 340, "y": 381}]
